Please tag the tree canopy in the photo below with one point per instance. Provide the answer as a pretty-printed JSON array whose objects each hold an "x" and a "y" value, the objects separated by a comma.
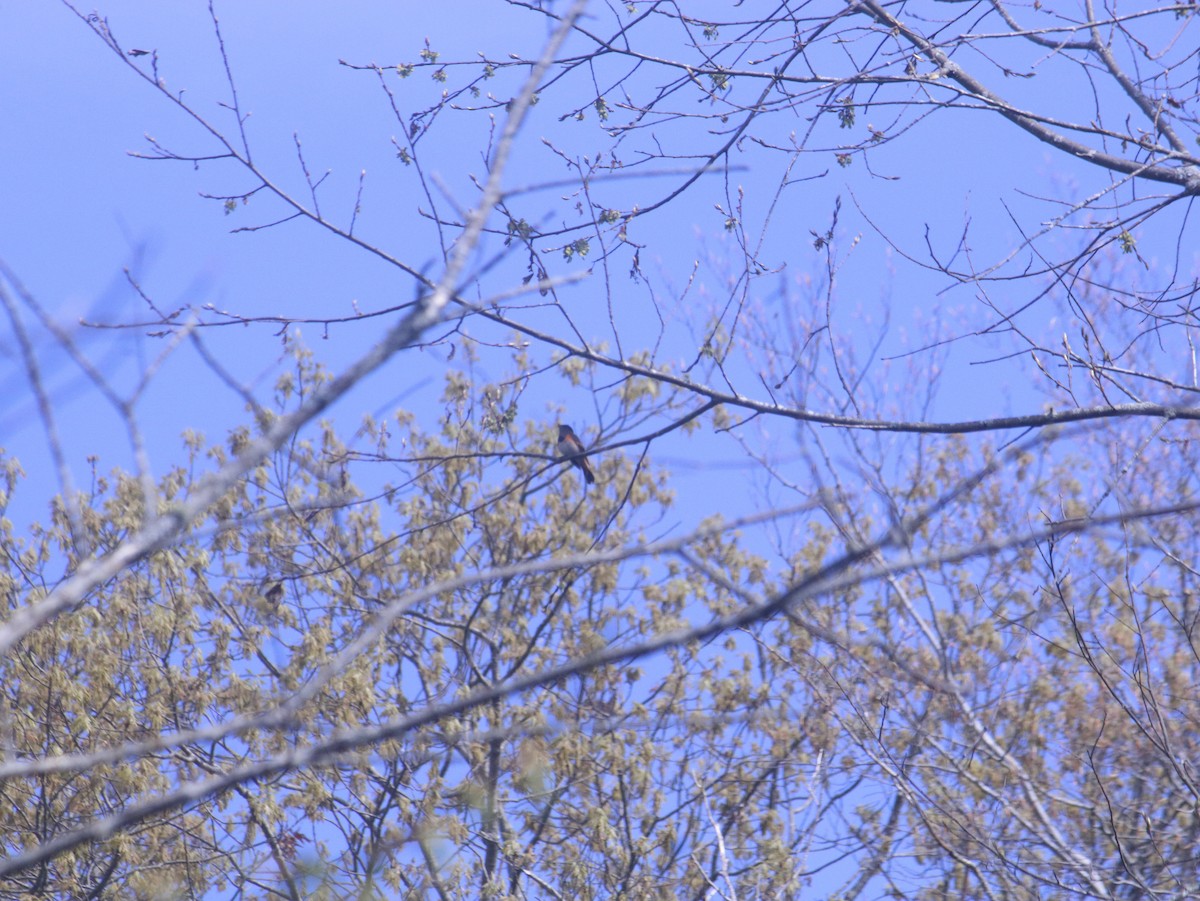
[{"x": 876, "y": 324}]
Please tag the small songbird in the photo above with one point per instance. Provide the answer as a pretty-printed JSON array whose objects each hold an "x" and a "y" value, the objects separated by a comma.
[{"x": 571, "y": 447}]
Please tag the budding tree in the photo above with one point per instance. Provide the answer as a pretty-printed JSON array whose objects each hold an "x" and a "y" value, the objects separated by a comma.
[{"x": 875, "y": 323}]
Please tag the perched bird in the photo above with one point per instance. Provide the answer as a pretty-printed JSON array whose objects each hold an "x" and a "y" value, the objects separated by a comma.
[
  {"x": 571, "y": 447},
  {"x": 273, "y": 593}
]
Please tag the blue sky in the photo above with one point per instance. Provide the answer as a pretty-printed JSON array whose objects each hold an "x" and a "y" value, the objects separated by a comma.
[{"x": 88, "y": 210}]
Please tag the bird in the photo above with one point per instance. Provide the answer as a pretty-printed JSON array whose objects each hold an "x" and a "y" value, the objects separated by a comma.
[
  {"x": 571, "y": 447},
  {"x": 273, "y": 593}
]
